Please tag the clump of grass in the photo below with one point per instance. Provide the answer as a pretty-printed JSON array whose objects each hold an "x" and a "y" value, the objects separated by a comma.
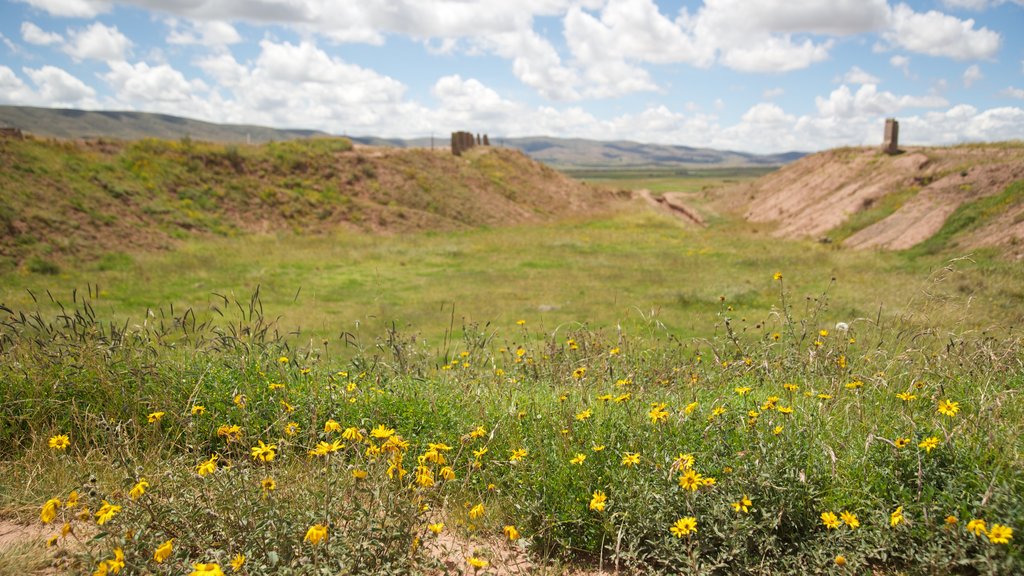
[
  {"x": 970, "y": 216},
  {"x": 777, "y": 449}
]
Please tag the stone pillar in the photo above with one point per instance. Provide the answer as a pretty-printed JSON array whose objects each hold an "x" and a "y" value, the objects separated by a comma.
[
  {"x": 891, "y": 144},
  {"x": 486, "y": 141}
]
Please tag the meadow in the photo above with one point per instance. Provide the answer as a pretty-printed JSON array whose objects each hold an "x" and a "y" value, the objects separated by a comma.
[{"x": 617, "y": 392}]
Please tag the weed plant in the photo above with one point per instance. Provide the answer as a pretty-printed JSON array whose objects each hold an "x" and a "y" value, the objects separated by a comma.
[{"x": 170, "y": 446}]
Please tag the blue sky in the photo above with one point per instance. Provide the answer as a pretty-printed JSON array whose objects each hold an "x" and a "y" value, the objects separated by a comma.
[{"x": 752, "y": 75}]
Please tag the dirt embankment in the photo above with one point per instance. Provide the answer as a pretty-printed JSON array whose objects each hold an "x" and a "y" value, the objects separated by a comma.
[
  {"x": 61, "y": 199},
  {"x": 893, "y": 202}
]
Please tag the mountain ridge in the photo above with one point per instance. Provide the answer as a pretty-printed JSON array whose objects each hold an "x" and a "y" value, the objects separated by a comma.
[{"x": 562, "y": 153}]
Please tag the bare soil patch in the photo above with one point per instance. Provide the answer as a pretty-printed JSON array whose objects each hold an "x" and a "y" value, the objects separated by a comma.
[{"x": 818, "y": 193}]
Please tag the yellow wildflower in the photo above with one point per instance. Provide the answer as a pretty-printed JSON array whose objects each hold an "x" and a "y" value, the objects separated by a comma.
[
  {"x": 381, "y": 431},
  {"x": 139, "y": 489},
  {"x": 106, "y": 512},
  {"x": 517, "y": 455},
  {"x": 977, "y": 527},
  {"x": 583, "y": 416},
  {"x": 208, "y": 466},
  {"x": 263, "y": 452},
  {"x": 206, "y": 570},
  {"x": 743, "y": 505},
  {"x": 684, "y": 527},
  {"x": 948, "y": 408},
  {"x": 658, "y": 412},
  {"x": 511, "y": 532},
  {"x": 59, "y": 442},
  {"x": 578, "y": 459},
  {"x": 163, "y": 551},
  {"x": 476, "y": 511},
  {"x": 155, "y": 417},
  {"x": 929, "y": 443},
  {"x": 436, "y": 528},
  {"x": 850, "y": 519},
  {"x": 316, "y": 534},
  {"x": 630, "y": 458},
  {"x": 332, "y": 426},
  {"x": 1000, "y": 534},
  {"x": 598, "y": 501},
  {"x": 830, "y": 520},
  {"x": 237, "y": 562},
  {"x": 896, "y": 517},
  {"x": 49, "y": 511},
  {"x": 477, "y": 563},
  {"x": 268, "y": 484}
]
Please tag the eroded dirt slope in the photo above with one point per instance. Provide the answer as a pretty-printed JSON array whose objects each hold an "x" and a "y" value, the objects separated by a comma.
[{"x": 900, "y": 201}]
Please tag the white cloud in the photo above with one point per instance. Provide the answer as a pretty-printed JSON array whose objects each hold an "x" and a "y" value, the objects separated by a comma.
[
  {"x": 773, "y": 93},
  {"x": 97, "y": 42},
  {"x": 535, "y": 62},
  {"x": 151, "y": 86},
  {"x": 206, "y": 33},
  {"x": 868, "y": 101},
  {"x": 35, "y": 35},
  {"x": 775, "y": 54},
  {"x": 10, "y": 45},
  {"x": 1013, "y": 93},
  {"x": 971, "y": 75},
  {"x": 70, "y": 8},
  {"x": 56, "y": 87},
  {"x": 858, "y": 76},
  {"x": 12, "y": 89},
  {"x": 937, "y": 34},
  {"x": 901, "y": 62}
]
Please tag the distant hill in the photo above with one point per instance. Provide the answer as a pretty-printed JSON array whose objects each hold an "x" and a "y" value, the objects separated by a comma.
[
  {"x": 582, "y": 154},
  {"x": 69, "y": 123},
  {"x": 561, "y": 153}
]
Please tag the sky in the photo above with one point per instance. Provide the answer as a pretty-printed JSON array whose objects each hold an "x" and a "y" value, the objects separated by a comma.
[{"x": 759, "y": 76}]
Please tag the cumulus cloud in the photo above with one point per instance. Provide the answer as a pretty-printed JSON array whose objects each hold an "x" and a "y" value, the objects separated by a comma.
[
  {"x": 71, "y": 8},
  {"x": 12, "y": 89},
  {"x": 937, "y": 34},
  {"x": 205, "y": 33},
  {"x": 901, "y": 62},
  {"x": 35, "y": 35},
  {"x": 97, "y": 42},
  {"x": 858, "y": 76},
  {"x": 868, "y": 101},
  {"x": 971, "y": 75},
  {"x": 1013, "y": 92},
  {"x": 56, "y": 87}
]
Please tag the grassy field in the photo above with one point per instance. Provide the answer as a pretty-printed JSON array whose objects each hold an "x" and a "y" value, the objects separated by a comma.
[
  {"x": 614, "y": 392},
  {"x": 662, "y": 180},
  {"x": 634, "y": 268}
]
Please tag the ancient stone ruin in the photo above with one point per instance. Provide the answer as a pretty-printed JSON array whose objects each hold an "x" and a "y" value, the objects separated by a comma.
[
  {"x": 891, "y": 143},
  {"x": 12, "y": 133},
  {"x": 462, "y": 141}
]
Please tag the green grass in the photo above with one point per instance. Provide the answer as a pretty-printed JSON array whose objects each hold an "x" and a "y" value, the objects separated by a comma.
[
  {"x": 872, "y": 214},
  {"x": 970, "y": 216},
  {"x": 667, "y": 180},
  {"x": 635, "y": 268},
  {"x": 829, "y": 442},
  {"x": 557, "y": 339}
]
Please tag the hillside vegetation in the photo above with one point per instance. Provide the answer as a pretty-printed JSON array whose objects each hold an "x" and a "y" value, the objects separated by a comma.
[
  {"x": 928, "y": 199},
  {"x": 82, "y": 199}
]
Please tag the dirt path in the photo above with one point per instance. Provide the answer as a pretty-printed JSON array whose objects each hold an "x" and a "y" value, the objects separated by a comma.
[{"x": 674, "y": 204}]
